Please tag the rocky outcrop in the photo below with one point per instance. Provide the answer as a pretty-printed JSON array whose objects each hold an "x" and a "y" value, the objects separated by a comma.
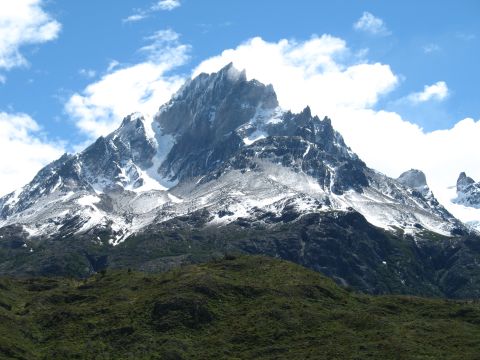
[{"x": 468, "y": 192}]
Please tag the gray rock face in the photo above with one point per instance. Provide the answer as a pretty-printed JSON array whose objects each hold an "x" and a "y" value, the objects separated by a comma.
[
  {"x": 203, "y": 117},
  {"x": 215, "y": 117},
  {"x": 415, "y": 179},
  {"x": 463, "y": 182},
  {"x": 468, "y": 191},
  {"x": 332, "y": 173}
]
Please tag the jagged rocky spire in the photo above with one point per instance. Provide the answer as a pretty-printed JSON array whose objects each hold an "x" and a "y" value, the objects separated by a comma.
[{"x": 468, "y": 191}]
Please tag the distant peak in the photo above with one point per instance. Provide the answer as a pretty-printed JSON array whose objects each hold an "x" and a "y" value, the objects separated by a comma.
[
  {"x": 307, "y": 111},
  {"x": 232, "y": 73},
  {"x": 136, "y": 116},
  {"x": 413, "y": 178},
  {"x": 464, "y": 181},
  {"x": 463, "y": 176},
  {"x": 327, "y": 120}
]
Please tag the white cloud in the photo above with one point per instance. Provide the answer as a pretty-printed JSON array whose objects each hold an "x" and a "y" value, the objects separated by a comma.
[
  {"x": 162, "y": 5},
  {"x": 371, "y": 24},
  {"x": 311, "y": 72},
  {"x": 166, "y": 5},
  {"x": 23, "y": 22},
  {"x": 24, "y": 150},
  {"x": 135, "y": 18},
  {"x": 437, "y": 91},
  {"x": 142, "y": 87}
]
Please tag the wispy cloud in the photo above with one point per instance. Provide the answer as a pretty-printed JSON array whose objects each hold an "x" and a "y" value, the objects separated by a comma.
[
  {"x": 431, "y": 48},
  {"x": 23, "y": 22},
  {"x": 142, "y": 87},
  {"x": 162, "y": 5},
  {"x": 166, "y": 5},
  {"x": 371, "y": 24},
  {"x": 465, "y": 36},
  {"x": 438, "y": 91},
  {"x": 88, "y": 73},
  {"x": 135, "y": 17},
  {"x": 206, "y": 27},
  {"x": 112, "y": 65}
]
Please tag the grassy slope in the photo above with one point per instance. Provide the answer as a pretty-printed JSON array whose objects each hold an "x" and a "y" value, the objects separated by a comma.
[{"x": 242, "y": 308}]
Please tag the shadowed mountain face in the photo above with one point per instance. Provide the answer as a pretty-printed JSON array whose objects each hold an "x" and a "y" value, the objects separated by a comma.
[
  {"x": 203, "y": 117},
  {"x": 222, "y": 158}
]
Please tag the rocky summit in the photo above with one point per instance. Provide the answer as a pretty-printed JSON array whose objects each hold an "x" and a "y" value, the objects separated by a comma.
[
  {"x": 468, "y": 191},
  {"x": 222, "y": 167}
]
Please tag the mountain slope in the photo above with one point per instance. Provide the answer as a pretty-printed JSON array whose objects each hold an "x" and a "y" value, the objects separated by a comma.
[{"x": 213, "y": 311}]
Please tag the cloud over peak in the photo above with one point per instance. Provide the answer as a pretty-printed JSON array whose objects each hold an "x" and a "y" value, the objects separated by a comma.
[
  {"x": 324, "y": 74},
  {"x": 142, "y": 87},
  {"x": 309, "y": 72},
  {"x": 321, "y": 72}
]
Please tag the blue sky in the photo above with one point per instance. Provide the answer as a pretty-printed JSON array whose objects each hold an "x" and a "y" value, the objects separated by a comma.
[
  {"x": 93, "y": 35},
  {"x": 426, "y": 80}
]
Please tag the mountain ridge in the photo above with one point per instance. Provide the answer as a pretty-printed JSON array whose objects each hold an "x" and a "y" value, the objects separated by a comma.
[
  {"x": 245, "y": 124},
  {"x": 221, "y": 155}
]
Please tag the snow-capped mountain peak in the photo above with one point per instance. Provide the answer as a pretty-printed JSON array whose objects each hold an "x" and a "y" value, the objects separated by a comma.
[{"x": 221, "y": 145}]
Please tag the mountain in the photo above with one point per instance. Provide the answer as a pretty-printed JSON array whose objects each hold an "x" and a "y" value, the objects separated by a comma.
[
  {"x": 188, "y": 313},
  {"x": 215, "y": 127},
  {"x": 222, "y": 167},
  {"x": 468, "y": 192}
]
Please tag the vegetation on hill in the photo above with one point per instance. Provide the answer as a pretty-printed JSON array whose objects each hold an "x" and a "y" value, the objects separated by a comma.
[
  {"x": 341, "y": 245},
  {"x": 245, "y": 307}
]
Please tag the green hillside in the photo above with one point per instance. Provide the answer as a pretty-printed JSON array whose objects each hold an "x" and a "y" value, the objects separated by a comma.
[{"x": 245, "y": 307}]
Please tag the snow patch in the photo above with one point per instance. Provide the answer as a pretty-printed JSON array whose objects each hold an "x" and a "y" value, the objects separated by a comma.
[
  {"x": 14, "y": 198},
  {"x": 163, "y": 143},
  {"x": 89, "y": 200},
  {"x": 306, "y": 151},
  {"x": 174, "y": 199},
  {"x": 378, "y": 211},
  {"x": 466, "y": 214},
  {"x": 255, "y": 136}
]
